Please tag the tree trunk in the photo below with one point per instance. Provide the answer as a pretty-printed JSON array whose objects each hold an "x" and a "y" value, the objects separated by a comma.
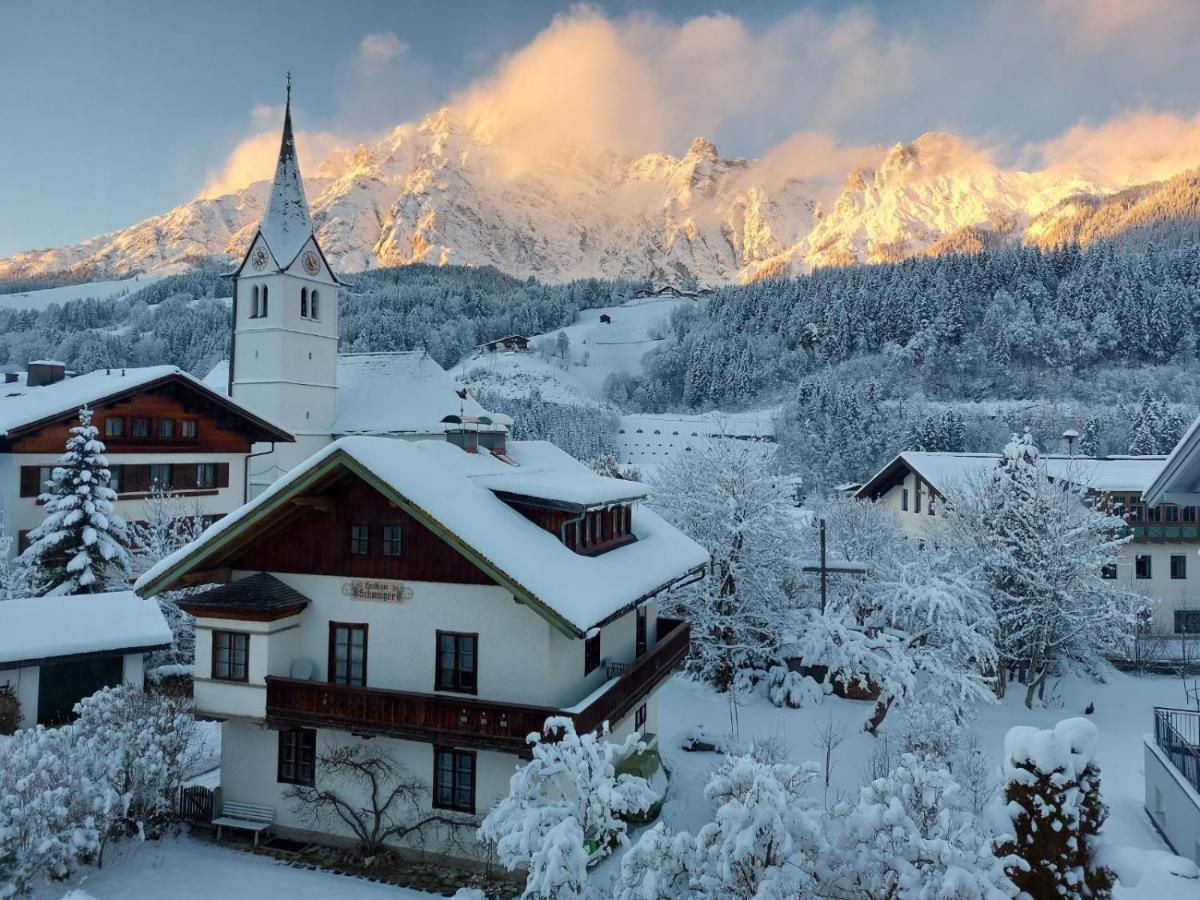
[{"x": 877, "y": 717}]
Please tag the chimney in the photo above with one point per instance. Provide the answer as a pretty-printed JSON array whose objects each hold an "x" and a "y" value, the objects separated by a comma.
[
  {"x": 463, "y": 431},
  {"x": 45, "y": 371}
]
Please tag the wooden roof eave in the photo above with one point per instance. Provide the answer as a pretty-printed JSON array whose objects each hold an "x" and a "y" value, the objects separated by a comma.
[
  {"x": 206, "y": 556},
  {"x": 272, "y": 432}
]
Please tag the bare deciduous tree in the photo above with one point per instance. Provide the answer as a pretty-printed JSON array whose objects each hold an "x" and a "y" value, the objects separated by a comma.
[{"x": 372, "y": 795}]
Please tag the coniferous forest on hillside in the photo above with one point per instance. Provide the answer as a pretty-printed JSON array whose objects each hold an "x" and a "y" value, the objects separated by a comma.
[{"x": 951, "y": 352}]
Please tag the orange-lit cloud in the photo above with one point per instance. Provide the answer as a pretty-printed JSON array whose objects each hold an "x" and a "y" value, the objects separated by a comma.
[
  {"x": 790, "y": 91},
  {"x": 253, "y": 159},
  {"x": 1134, "y": 147}
]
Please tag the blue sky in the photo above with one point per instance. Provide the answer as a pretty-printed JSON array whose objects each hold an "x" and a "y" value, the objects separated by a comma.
[{"x": 117, "y": 111}]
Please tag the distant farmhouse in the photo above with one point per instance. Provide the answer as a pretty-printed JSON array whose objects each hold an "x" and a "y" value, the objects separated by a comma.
[
  {"x": 514, "y": 343},
  {"x": 671, "y": 291}
]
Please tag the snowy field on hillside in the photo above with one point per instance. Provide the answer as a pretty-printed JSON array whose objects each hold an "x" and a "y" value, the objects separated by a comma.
[
  {"x": 617, "y": 346},
  {"x": 96, "y": 290}
]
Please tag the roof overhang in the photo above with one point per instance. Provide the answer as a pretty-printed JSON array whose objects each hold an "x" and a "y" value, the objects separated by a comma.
[
  {"x": 1179, "y": 480},
  {"x": 76, "y": 657},
  {"x": 270, "y": 431}
]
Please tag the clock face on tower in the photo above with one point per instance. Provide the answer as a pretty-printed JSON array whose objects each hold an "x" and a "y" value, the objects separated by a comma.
[
  {"x": 259, "y": 260},
  {"x": 311, "y": 264}
]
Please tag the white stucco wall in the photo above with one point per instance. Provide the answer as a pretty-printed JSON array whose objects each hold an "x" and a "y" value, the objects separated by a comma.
[
  {"x": 249, "y": 774},
  {"x": 1174, "y": 593},
  {"x": 24, "y": 513},
  {"x": 1172, "y": 803}
]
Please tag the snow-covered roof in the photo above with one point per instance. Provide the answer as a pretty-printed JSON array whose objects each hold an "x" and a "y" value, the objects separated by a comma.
[
  {"x": 22, "y": 405},
  {"x": 545, "y": 472},
  {"x": 398, "y": 393},
  {"x": 1179, "y": 480},
  {"x": 944, "y": 471},
  {"x": 453, "y": 489},
  {"x": 287, "y": 226},
  {"x": 33, "y": 629}
]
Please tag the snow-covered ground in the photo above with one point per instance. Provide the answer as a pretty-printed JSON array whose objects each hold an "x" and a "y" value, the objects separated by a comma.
[
  {"x": 187, "y": 868},
  {"x": 1122, "y": 714},
  {"x": 647, "y": 441},
  {"x": 96, "y": 290}
]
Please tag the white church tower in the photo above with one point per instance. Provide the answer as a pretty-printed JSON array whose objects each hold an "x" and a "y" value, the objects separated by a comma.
[{"x": 285, "y": 324}]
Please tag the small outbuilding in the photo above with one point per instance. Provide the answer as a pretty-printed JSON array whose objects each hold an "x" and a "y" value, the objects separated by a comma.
[
  {"x": 605, "y": 319},
  {"x": 514, "y": 343},
  {"x": 56, "y": 650}
]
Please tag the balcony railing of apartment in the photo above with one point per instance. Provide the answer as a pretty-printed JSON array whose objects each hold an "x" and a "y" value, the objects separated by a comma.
[
  {"x": 1165, "y": 531},
  {"x": 1177, "y": 734},
  {"x": 464, "y": 721}
]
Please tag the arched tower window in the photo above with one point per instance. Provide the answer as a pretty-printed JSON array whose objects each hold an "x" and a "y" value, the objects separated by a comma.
[
  {"x": 263, "y": 308},
  {"x": 312, "y": 304},
  {"x": 254, "y": 313},
  {"x": 304, "y": 303}
]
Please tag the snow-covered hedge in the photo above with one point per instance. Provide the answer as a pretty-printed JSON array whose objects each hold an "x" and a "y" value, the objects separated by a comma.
[{"x": 65, "y": 792}]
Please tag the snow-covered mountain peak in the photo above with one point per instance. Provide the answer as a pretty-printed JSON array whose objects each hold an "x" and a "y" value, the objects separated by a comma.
[{"x": 447, "y": 190}]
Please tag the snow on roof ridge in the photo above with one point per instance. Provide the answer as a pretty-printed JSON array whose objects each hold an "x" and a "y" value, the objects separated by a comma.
[{"x": 435, "y": 477}]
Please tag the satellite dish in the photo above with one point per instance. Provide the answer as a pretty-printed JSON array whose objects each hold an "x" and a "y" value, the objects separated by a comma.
[{"x": 303, "y": 669}]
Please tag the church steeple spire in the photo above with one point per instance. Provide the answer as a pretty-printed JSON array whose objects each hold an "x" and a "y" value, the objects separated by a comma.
[{"x": 287, "y": 225}]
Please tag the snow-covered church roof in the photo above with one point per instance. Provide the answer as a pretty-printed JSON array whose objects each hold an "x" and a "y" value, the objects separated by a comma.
[
  {"x": 23, "y": 406},
  {"x": 287, "y": 225},
  {"x": 399, "y": 393},
  {"x": 36, "y": 629},
  {"x": 456, "y": 492}
]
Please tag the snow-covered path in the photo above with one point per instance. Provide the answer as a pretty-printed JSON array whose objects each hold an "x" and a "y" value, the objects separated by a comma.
[{"x": 187, "y": 868}]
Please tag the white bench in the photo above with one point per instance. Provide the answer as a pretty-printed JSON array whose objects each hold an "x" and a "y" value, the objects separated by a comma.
[{"x": 246, "y": 817}]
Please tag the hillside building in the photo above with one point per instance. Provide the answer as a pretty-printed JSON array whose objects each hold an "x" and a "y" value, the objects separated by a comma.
[
  {"x": 1160, "y": 561},
  {"x": 284, "y": 349},
  {"x": 162, "y": 429},
  {"x": 436, "y": 602}
]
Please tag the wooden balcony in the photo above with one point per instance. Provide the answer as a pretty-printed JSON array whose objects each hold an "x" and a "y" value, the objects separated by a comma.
[{"x": 463, "y": 721}]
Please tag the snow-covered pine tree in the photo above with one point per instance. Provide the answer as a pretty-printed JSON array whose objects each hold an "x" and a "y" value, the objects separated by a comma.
[
  {"x": 1052, "y": 793},
  {"x": 80, "y": 547}
]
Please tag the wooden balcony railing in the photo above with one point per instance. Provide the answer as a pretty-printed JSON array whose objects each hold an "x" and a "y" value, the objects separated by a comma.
[{"x": 463, "y": 721}]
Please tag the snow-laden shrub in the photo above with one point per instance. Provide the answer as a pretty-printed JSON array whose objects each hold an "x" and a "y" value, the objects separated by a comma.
[
  {"x": 65, "y": 792},
  {"x": 908, "y": 836},
  {"x": 565, "y": 807},
  {"x": 787, "y": 688},
  {"x": 911, "y": 835},
  {"x": 1052, "y": 796}
]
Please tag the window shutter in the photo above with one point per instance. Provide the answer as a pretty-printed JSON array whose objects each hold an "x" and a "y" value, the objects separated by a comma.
[
  {"x": 222, "y": 475},
  {"x": 29, "y": 481}
]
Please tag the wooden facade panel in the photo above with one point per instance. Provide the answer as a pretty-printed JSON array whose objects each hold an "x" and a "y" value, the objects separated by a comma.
[
  {"x": 316, "y": 541},
  {"x": 217, "y": 431},
  {"x": 599, "y": 530}
]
